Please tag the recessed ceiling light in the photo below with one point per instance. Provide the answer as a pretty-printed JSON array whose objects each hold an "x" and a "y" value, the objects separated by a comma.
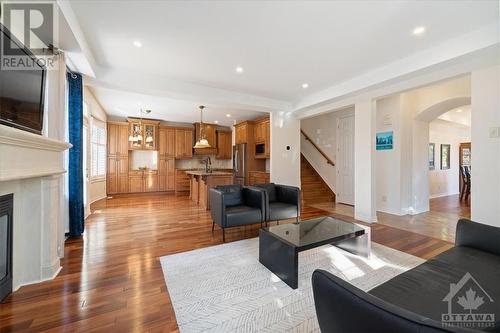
[
  {"x": 137, "y": 43},
  {"x": 459, "y": 110},
  {"x": 239, "y": 69},
  {"x": 418, "y": 31},
  {"x": 228, "y": 115},
  {"x": 216, "y": 121},
  {"x": 305, "y": 85}
]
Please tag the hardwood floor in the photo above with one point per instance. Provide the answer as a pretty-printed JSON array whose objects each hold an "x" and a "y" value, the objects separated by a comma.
[
  {"x": 111, "y": 280},
  {"x": 439, "y": 222}
]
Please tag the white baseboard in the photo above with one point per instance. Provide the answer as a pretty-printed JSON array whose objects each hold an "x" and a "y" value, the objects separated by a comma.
[
  {"x": 27, "y": 283},
  {"x": 439, "y": 195},
  {"x": 392, "y": 212},
  {"x": 97, "y": 199},
  {"x": 365, "y": 218}
]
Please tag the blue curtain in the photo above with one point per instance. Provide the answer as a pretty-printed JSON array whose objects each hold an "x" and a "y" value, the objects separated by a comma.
[{"x": 75, "y": 172}]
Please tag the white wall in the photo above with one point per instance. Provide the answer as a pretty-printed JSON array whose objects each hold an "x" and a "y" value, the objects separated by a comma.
[
  {"x": 97, "y": 188},
  {"x": 364, "y": 161},
  {"x": 485, "y": 157},
  {"x": 446, "y": 182},
  {"x": 388, "y": 162},
  {"x": 285, "y": 164}
]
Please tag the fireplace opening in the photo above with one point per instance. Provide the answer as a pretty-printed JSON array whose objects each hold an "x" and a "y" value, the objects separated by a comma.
[{"x": 6, "y": 217}]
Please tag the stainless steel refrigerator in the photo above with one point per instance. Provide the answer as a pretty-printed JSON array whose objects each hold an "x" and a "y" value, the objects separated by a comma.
[{"x": 240, "y": 163}]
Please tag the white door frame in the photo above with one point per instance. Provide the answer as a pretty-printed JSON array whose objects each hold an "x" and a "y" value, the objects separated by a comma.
[{"x": 86, "y": 166}]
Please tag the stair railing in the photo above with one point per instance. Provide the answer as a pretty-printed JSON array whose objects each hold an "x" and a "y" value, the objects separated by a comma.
[{"x": 328, "y": 159}]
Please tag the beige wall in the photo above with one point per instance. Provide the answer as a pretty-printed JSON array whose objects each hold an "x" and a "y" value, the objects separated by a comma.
[{"x": 97, "y": 187}]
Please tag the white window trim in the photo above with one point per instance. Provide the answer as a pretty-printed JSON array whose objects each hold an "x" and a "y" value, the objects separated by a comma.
[{"x": 99, "y": 123}]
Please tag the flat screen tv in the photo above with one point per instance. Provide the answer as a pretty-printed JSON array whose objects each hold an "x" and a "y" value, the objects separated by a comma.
[{"x": 21, "y": 89}]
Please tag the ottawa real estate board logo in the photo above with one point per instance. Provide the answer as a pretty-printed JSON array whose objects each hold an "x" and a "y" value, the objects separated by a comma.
[
  {"x": 27, "y": 26},
  {"x": 469, "y": 305}
]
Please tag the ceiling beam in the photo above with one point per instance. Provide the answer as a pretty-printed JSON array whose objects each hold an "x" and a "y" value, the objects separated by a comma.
[{"x": 155, "y": 85}]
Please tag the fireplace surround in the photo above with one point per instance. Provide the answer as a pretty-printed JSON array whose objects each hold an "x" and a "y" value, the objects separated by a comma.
[
  {"x": 6, "y": 217},
  {"x": 31, "y": 169}
]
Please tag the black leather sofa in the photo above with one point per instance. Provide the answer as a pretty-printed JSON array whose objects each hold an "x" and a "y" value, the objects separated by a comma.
[
  {"x": 414, "y": 301},
  {"x": 234, "y": 206},
  {"x": 282, "y": 202}
]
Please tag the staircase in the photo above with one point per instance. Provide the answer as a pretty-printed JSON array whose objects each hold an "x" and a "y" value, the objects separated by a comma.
[{"x": 314, "y": 189}]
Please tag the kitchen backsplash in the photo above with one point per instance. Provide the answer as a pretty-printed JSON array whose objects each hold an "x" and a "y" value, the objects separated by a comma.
[
  {"x": 195, "y": 163},
  {"x": 144, "y": 158}
]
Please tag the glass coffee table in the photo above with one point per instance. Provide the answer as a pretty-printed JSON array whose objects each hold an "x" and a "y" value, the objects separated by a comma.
[{"x": 279, "y": 245}]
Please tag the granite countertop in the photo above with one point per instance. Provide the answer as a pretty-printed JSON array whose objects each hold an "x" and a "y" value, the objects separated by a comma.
[{"x": 203, "y": 173}]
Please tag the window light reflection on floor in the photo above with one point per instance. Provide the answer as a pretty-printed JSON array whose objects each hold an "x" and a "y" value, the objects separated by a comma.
[{"x": 341, "y": 261}]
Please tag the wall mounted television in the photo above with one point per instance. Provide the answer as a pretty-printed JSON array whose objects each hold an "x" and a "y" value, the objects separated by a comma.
[{"x": 21, "y": 89}]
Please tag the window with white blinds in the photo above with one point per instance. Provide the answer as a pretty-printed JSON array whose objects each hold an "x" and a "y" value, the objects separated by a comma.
[{"x": 98, "y": 143}]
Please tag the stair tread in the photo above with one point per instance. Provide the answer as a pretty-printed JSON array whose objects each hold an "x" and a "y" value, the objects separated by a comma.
[{"x": 314, "y": 188}]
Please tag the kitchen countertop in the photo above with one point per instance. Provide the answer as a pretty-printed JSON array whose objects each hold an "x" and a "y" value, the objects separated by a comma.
[{"x": 203, "y": 173}]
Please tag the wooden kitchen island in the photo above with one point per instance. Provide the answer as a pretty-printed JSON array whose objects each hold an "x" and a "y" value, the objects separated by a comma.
[{"x": 201, "y": 182}]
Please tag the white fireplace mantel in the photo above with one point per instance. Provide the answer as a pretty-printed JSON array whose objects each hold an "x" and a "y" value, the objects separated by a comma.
[
  {"x": 31, "y": 168},
  {"x": 27, "y": 155}
]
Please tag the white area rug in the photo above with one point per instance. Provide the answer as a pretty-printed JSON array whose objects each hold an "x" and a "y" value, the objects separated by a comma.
[{"x": 224, "y": 288}]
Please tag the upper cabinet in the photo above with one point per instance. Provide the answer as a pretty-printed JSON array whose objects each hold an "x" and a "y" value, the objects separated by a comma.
[
  {"x": 183, "y": 143},
  {"x": 166, "y": 142},
  {"x": 262, "y": 138},
  {"x": 242, "y": 131},
  {"x": 117, "y": 139},
  {"x": 260, "y": 132},
  {"x": 224, "y": 145},
  {"x": 210, "y": 135},
  {"x": 144, "y": 133}
]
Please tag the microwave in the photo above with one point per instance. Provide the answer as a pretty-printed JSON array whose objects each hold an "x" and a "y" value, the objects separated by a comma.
[{"x": 260, "y": 149}]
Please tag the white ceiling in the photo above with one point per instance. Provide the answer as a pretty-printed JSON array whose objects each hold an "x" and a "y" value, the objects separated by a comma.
[
  {"x": 461, "y": 116},
  {"x": 280, "y": 44},
  {"x": 126, "y": 104}
]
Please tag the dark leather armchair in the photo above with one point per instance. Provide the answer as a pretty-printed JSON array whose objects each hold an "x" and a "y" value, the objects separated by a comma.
[
  {"x": 234, "y": 206},
  {"x": 282, "y": 201}
]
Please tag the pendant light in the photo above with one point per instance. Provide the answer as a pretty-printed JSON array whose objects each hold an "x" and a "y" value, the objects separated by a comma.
[
  {"x": 202, "y": 142},
  {"x": 136, "y": 135}
]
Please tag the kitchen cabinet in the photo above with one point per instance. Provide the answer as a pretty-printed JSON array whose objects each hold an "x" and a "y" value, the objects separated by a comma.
[
  {"x": 210, "y": 135},
  {"x": 143, "y": 181},
  {"x": 194, "y": 188},
  {"x": 150, "y": 179},
  {"x": 182, "y": 181},
  {"x": 183, "y": 143},
  {"x": 166, "y": 142},
  {"x": 224, "y": 145},
  {"x": 260, "y": 132},
  {"x": 201, "y": 182},
  {"x": 166, "y": 174},
  {"x": 136, "y": 183},
  {"x": 268, "y": 137},
  {"x": 117, "y": 139},
  {"x": 242, "y": 131},
  {"x": 117, "y": 175},
  {"x": 262, "y": 138},
  {"x": 258, "y": 177},
  {"x": 147, "y": 132}
]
